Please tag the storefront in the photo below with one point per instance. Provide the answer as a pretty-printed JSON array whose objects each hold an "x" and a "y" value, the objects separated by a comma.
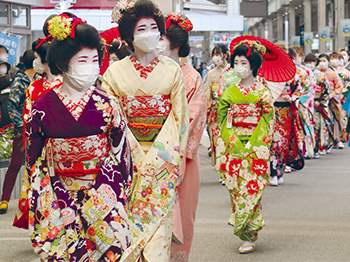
[{"x": 15, "y": 20}]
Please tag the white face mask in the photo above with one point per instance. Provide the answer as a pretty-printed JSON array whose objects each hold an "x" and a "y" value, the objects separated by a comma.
[
  {"x": 242, "y": 71},
  {"x": 217, "y": 60},
  {"x": 147, "y": 42},
  {"x": 3, "y": 70},
  {"x": 81, "y": 76},
  {"x": 323, "y": 65},
  {"x": 298, "y": 60},
  {"x": 163, "y": 49},
  {"x": 335, "y": 62},
  {"x": 37, "y": 68},
  {"x": 310, "y": 66},
  {"x": 346, "y": 58},
  {"x": 3, "y": 58}
]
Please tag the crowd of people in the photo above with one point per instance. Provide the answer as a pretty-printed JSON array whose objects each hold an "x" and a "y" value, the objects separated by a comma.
[{"x": 109, "y": 125}]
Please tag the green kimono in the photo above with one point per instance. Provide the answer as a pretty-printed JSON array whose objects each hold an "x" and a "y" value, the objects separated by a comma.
[{"x": 246, "y": 118}]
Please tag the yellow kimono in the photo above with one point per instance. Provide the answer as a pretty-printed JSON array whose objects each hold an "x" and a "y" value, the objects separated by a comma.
[{"x": 155, "y": 104}]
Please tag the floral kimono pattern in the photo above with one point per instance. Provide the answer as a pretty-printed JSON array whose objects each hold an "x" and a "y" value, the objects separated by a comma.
[
  {"x": 286, "y": 148},
  {"x": 306, "y": 107},
  {"x": 335, "y": 94},
  {"x": 80, "y": 175},
  {"x": 211, "y": 88},
  {"x": 345, "y": 78},
  {"x": 188, "y": 190},
  {"x": 154, "y": 102},
  {"x": 247, "y": 120},
  {"x": 322, "y": 118},
  {"x": 35, "y": 91}
]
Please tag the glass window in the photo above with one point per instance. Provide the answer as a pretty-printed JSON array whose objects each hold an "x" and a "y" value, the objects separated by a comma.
[
  {"x": 4, "y": 14},
  {"x": 19, "y": 15}
]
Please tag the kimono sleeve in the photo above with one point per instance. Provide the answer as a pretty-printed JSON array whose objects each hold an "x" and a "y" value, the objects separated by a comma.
[
  {"x": 207, "y": 86},
  {"x": 107, "y": 85},
  {"x": 120, "y": 146},
  {"x": 338, "y": 85},
  {"x": 35, "y": 138},
  {"x": 268, "y": 113},
  {"x": 197, "y": 106},
  {"x": 224, "y": 105},
  {"x": 179, "y": 108}
]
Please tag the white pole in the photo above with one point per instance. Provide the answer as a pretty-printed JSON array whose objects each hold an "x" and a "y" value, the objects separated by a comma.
[{"x": 286, "y": 30}]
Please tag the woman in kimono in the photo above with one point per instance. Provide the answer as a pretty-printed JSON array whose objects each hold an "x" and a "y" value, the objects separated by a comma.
[
  {"x": 77, "y": 155},
  {"x": 174, "y": 44},
  {"x": 286, "y": 148},
  {"x": 220, "y": 57},
  {"x": 153, "y": 94},
  {"x": 335, "y": 93},
  {"x": 306, "y": 101},
  {"x": 246, "y": 119},
  {"x": 335, "y": 60},
  {"x": 322, "y": 117},
  {"x": 36, "y": 89}
]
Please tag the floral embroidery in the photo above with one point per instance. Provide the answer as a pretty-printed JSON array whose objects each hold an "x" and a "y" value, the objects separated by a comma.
[
  {"x": 144, "y": 71},
  {"x": 140, "y": 106},
  {"x": 75, "y": 108}
]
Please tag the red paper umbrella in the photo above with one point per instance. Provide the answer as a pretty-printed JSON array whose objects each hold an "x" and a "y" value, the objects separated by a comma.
[
  {"x": 277, "y": 65},
  {"x": 108, "y": 36}
]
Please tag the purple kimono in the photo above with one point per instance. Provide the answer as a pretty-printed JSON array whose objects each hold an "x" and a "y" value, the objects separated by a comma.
[{"x": 80, "y": 170}]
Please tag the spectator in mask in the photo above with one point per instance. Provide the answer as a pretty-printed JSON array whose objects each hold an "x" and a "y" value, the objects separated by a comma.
[
  {"x": 4, "y": 55},
  {"x": 17, "y": 97}
]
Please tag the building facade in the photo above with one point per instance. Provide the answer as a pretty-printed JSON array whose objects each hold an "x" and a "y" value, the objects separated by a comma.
[
  {"x": 289, "y": 19},
  {"x": 15, "y": 19},
  {"x": 215, "y": 21}
]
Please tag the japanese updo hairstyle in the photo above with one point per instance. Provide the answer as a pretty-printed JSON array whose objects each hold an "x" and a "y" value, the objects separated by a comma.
[
  {"x": 121, "y": 52},
  {"x": 130, "y": 17},
  {"x": 178, "y": 38},
  {"x": 41, "y": 50},
  {"x": 60, "y": 52},
  {"x": 255, "y": 59}
]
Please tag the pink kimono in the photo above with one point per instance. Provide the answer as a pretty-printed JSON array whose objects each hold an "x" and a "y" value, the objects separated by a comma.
[{"x": 188, "y": 191}]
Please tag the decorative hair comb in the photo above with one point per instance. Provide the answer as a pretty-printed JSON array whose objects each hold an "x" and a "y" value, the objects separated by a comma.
[
  {"x": 62, "y": 26},
  {"x": 123, "y": 5},
  {"x": 184, "y": 23}
]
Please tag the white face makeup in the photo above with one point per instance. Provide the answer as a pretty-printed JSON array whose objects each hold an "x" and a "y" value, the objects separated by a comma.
[
  {"x": 146, "y": 35},
  {"x": 242, "y": 67},
  {"x": 83, "y": 69},
  {"x": 113, "y": 58},
  {"x": 38, "y": 66}
]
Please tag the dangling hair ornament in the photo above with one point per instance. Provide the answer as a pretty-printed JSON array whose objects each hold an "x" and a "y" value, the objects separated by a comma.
[
  {"x": 43, "y": 40},
  {"x": 62, "y": 26},
  {"x": 251, "y": 43},
  {"x": 184, "y": 23},
  {"x": 123, "y": 5}
]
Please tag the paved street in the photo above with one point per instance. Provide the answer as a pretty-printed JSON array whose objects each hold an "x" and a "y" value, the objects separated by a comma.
[{"x": 307, "y": 218}]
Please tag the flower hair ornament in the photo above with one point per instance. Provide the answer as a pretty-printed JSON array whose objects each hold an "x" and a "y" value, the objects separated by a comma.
[
  {"x": 277, "y": 66},
  {"x": 123, "y": 5},
  {"x": 62, "y": 26},
  {"x": 184, "y": 23},
  {"x": 250, "y": 43}
]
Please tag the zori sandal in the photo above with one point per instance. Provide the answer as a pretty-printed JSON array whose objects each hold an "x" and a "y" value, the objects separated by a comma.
[
  {"x": 3, "y": 207},
  {"x": 247, "y": 247}
]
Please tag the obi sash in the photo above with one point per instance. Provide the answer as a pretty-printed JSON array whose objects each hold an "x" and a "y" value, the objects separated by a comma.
[
  {"x": 244, "y": 115},
  {"x": 146, "y": 115},
  {"x": 77, "y": 157}
]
